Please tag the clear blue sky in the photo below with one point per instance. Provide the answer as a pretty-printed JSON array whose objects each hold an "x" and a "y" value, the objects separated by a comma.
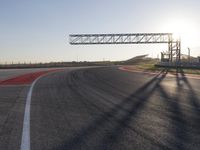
[{"x": 37, "y": 30}]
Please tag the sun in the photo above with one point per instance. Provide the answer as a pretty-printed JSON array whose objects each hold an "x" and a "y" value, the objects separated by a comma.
[{"x": 185, "y": 29}]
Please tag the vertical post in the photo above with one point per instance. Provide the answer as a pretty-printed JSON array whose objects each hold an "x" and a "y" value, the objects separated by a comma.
[
  {"x": 188, "y": 54},
  {"x": 179, "y": 47},
  {"x": 170, "y": 47},
  {"x": 178, "y": 50}
]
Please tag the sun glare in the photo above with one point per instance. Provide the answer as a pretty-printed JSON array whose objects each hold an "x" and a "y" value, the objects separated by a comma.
[{"x": 185, "y": 29}]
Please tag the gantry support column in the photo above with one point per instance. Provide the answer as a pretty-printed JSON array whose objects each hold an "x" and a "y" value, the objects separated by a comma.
[{"x": 174, "y": 49}]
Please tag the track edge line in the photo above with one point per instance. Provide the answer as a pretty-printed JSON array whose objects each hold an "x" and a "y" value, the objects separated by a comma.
[{"x": 25, "y": 139}]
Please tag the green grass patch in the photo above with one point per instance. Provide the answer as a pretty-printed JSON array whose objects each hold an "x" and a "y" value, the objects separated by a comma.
[{"x": 151, "y": 67}]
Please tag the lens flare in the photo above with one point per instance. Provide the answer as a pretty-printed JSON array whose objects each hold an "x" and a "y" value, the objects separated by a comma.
[{"x": 183, "y": 28}]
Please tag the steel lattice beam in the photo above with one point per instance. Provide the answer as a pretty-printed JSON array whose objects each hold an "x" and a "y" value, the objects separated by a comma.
[
  {"x": 138, "y": 38},
  {"x": 174, "y": 45}
]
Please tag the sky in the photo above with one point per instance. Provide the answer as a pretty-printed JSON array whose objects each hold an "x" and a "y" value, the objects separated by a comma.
[{"x": 38, "y": 30}]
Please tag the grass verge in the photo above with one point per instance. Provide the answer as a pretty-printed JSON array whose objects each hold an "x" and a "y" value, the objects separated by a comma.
[{"x": 150, "y": 66}]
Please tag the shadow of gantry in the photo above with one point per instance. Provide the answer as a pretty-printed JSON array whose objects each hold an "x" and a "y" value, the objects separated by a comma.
[{"x": 130, "y": 106}]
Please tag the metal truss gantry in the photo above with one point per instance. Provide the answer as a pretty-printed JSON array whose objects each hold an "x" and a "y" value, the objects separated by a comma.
[{"x": 174, "y": 45}]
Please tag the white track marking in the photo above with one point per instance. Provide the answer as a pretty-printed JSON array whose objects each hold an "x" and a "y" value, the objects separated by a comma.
[{"x": 25, "y": 143}]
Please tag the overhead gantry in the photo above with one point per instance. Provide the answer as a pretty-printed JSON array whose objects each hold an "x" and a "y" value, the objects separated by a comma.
[{"x": 174, "y": 44}]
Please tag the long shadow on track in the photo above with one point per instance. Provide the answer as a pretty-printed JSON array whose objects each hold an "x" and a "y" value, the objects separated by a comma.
[
  {"x": 131, "y": 105},
  {"x": 180, "y": 133},
  {"x": 181, "y": 124}
]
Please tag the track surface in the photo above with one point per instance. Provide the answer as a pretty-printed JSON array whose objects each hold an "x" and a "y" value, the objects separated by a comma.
[{"x": 104, "y": 109}]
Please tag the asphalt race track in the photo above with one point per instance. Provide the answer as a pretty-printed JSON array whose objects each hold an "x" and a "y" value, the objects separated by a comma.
[{"x": 103, "y": 108}]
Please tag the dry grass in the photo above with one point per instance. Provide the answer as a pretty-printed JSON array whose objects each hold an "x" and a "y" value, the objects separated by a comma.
[{"x": 150, "y": 66}]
